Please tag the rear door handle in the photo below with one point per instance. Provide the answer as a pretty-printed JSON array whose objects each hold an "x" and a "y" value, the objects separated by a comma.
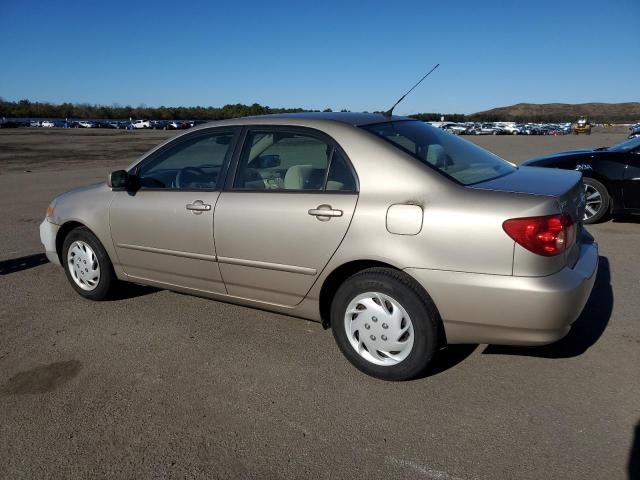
[
  {"x": 324, "y": 212},
  {"x": 198, "y": 206}
]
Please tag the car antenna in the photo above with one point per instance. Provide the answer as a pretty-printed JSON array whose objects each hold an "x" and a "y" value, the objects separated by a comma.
[{"x": 389, "y": 112}]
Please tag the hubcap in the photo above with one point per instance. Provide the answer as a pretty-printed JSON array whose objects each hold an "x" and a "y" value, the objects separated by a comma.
[
  {"x": 379, "y": 328},
  {"x": 593, "y": 201},
  {"x": 83, "y": 265}
]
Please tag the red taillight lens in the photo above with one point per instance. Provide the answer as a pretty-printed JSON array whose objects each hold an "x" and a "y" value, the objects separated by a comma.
[{"x": 550, "y": 235}]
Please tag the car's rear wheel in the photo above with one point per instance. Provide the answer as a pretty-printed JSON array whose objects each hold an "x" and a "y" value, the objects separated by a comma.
[
  {"x": 385, "y": 324},
  {"x": 87, "y": 265},
  {"x": 597, "y": 201}
]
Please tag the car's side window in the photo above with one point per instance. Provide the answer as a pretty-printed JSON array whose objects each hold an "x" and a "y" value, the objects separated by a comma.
[
  {"x": 191, "y": 164},
  {"x": 281, "y": 160},
  {"x": 340, "y": 177}
]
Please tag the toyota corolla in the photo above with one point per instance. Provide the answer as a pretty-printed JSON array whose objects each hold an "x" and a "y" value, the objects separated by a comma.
[{"x": 398, "y": 236}]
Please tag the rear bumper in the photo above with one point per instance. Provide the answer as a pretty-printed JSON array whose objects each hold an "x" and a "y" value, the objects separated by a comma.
[
  {"x": 48, "y": 233},
  {"x": 508, "y": 310}
]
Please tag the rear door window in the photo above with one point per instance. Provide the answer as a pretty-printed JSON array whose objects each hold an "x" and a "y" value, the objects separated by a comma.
[{"x": 291, "y": 161}]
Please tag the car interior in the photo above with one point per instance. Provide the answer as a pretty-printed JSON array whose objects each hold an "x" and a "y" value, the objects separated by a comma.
[
  {"x": 270, "y": 161},
  {"x": 193, "y": 164},
  {"x": 285, "y": 161}
]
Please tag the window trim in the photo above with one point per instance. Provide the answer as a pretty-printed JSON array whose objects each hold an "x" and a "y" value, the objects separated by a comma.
[
  {"x": 235, "y": 131},
  {"x": 308, "y": 131}
]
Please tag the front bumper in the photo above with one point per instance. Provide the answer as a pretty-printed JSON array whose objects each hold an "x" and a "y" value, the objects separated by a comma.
[
  {"x": 509, "y": 310},
  {"x": 48, "y": 233}
]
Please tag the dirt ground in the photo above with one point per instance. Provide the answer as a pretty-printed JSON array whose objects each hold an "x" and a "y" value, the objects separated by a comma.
[
  {"x": 51, "y": 149},
  {"x": 161, "y": 385}
]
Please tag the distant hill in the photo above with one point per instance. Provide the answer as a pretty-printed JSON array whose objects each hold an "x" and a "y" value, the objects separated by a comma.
[{"x": 563, "y": 112}]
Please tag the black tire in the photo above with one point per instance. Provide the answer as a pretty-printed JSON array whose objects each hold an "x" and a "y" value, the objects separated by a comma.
[
  {"x": 605, "y": 206},
  {"x": 107, "y": 282},
  {"x": 415, "y": 301}
]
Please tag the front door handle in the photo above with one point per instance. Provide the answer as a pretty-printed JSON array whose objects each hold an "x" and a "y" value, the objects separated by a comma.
[
  {"x": 198, "y": 206},
  {"x": 324, "y": 212}
]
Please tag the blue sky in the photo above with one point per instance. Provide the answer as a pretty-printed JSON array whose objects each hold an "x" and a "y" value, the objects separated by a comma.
[{"x": 345, "y": 54}]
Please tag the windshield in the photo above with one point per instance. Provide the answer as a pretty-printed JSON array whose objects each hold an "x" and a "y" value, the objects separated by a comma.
[
  {"x": 456, "y": 158},
  {"x": 626, "y": 146}
]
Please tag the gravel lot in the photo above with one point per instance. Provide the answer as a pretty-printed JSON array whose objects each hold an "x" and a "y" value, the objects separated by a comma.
[{"x": 163, "y": 385}]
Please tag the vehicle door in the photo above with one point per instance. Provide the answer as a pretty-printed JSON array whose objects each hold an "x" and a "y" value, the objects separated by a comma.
[
  {"x": 162, "y": 228},
  {"x": 283, "y": 213},
  {"x": 631, "y": 183}
]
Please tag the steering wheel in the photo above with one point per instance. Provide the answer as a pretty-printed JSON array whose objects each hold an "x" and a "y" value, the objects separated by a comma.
[{"x": 188, "y": 176}]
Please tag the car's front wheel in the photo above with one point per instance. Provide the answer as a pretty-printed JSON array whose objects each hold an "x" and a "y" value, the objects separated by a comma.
[
  {"x": 385, "y": 324},
  {"x": 87, "y": 265}
]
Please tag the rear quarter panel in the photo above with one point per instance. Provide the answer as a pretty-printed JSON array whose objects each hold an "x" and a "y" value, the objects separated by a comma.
[{"x": 461, "y": 229}]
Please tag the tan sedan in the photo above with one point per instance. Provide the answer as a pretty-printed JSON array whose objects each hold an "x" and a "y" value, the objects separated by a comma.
[{"x": 400, "y": 237}]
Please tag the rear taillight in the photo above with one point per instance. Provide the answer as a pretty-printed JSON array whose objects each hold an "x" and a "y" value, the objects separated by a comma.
[{"x": 548, "y": 236}]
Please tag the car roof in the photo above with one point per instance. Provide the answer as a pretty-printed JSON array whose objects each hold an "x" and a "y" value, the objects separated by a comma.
[{"x": 349, "y": 118}]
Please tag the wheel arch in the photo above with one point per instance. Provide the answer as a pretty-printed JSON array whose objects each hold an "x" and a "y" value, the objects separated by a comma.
[
  {"x": 338, "y": 275},
  {"x": 64, "y": 230}
]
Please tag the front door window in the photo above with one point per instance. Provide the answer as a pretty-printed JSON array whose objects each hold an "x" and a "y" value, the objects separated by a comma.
[{"x": 192, "y": 164}]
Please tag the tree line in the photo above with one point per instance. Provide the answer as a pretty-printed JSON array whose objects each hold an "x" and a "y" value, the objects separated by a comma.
[{"x": 28, "y": 109}]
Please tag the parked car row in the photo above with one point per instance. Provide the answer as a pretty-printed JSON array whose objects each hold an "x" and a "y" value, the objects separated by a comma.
[
  {"x": 113, "y": 124},
  {"x": 635, "y": 131},
  {"x": 504, "y": 128}
]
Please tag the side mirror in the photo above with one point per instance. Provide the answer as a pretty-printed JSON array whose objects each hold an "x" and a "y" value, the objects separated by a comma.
[{"x": 118, "y": 179}]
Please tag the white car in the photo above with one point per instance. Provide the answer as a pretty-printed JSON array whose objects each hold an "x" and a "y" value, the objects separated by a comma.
[
  {"x": 86, "y": 124},
  {"x": 485, "y": 129},
  {"x": 142, "y": 124},
  {"x": 509, "y": 128},
  {"x": 47, "y": 124},
  {"x": 454, "y": 128}
]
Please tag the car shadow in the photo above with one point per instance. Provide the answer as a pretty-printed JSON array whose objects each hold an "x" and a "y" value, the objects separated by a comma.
[
  {"x": 448, "y": 358},
  {"x": 126, "y": 291},
  {"x": 628, "y": 218},
  {"x": 634, "y": 456},
  {"x": 15, "y": 265},
  {"x": 586, "y": 330}
]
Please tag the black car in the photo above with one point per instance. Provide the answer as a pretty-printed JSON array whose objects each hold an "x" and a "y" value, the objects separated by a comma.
[
  {"x": 159, "y": 124},
  {"x": 611, "y": 177}
]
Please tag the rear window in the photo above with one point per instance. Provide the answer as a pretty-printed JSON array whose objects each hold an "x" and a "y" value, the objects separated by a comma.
[{"x": 458, "y": 159}]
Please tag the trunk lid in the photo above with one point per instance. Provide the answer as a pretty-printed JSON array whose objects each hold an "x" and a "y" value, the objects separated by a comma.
[{"x": 564, "y": 185}]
